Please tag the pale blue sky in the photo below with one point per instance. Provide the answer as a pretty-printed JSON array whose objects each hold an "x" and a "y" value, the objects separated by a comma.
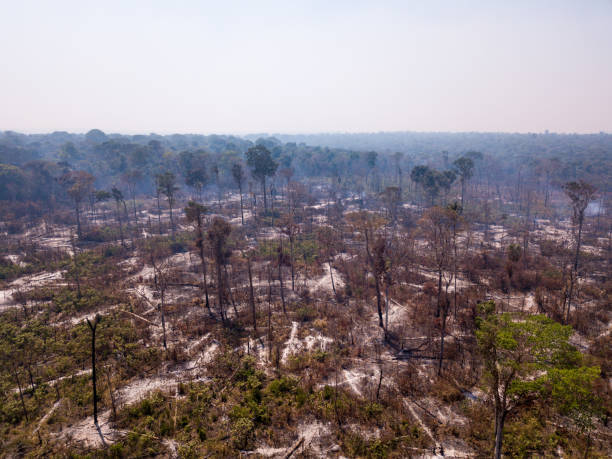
[{"x": 297, "y": 66}]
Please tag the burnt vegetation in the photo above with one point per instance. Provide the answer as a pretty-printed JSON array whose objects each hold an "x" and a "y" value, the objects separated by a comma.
[{"x": 383, "y": 295}]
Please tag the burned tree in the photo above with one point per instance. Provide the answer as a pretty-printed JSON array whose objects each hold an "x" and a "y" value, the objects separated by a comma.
[
  {"x": 78, "y": 185},
  {"x": 581, "y": 194},
  {"x": 239, "y": 177},
  {"x": 194, "y": 213},
  {"x": 218, "y": 234}
]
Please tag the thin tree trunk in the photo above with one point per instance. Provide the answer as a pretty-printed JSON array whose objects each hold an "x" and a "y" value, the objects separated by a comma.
[
  {"x": 93, "y": 366},
  {"x": 120, "y": 225},
  {"x": 251, "y": 295},
  {"x": 78, "y": 218},
  {"x": 292, "y": 269},
  {"x": 378, "y": 302},
  {"x": 241, "y": 205},
  {"x": 439, "y": 292},
  {"x": 280, "y": 276},
  {"x": 376, "y": 281},
  {"x": 263, "y": 184},
  {"x": 171, "y": 217},
  {"x": 331, "y": 275},
  {"x": 220, "y": 291},
  {"x": 229, "y": 290},
  {"x": 200, "y": 244},
  {"x": 499, "y": 433},
  {"x": 163, "y": 315},
  {"x": 23, "y": 405},
  {"x": 574, "y": 278},
  {"x": 455, "y": 267},
  {"x": 161, "y": 287},
  {"x": 442, "y": 335},
  {"x": 159, "y": 214},
  {"x": 386, "y": 310},
  {"x": 269, "y": 314}
]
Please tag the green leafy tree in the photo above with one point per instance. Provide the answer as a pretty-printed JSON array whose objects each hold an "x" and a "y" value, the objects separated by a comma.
[
  {"x": 118, "y": 197},
  {"x": 465, "y": 168},
  {"x": 166, "y": 185},
  {"x": 194, "y": 171},
  {"x": 527, "y": 358},
  {"x": 259, "y": 160},
  {"x": 78, "y": 185}
]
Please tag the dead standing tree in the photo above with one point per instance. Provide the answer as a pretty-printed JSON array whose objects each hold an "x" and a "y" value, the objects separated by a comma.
[
  {"x": 160, "y": 268},
  {"x": 581, "y": 194},
  {"x": 195, "y": 213},
  {"x": 328, "y": 243},
  {"x": 93, "y": 326},
  {"x": 166, "y": 185},
  {"x": 248, "y": 257},
  {"x": 290, "y": 229},
  {"x": 437, "y": 225},
  {"x": 218, "y": 234},
  {"x": 368, "y": 223},
  {"x": 78, "y": 185},
  {"x": 239, "y": 178}
]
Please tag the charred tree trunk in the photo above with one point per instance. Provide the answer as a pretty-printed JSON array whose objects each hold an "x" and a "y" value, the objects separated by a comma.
[
  {"x": 220, "y": 291},
  {"x": 159, "y": 213},
  {"x": 241, "y": 205},
  {"x": 263, "y": 185},
  {"x": 200, "y": 245},
  {"x": 280, "y": 277},
  {"x": 292, "y": 268},
  {"x": 18, "y": 381},
  {"x": 251, "y": 295},
  {"x": 93, "y": 366}
]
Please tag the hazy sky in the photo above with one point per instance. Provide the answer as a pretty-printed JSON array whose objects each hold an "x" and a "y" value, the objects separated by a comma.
[{"x": 305, "y": 66}]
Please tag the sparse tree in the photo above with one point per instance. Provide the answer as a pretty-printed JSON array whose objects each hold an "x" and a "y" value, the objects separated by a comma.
[
  {"x": 465, "y": 168},
  {"x": 79, "y": 185},
  {"x": 166, "y": 184},
  {"x": 581, "y": 194},
  {"x": 218, "y": 234},
  {"x": 262, "y": 166},
  {"x": 239, "y": 178},
  {"x": 522, "y": 359},
  {"x": 93, "y": 326},
  {"x": 195, "y": 213}
]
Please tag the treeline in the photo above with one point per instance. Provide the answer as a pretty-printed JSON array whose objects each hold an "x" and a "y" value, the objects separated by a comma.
[{"x": 37, "y": 168}]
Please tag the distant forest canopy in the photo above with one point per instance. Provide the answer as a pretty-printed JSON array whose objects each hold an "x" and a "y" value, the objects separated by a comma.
[{"x": 31, "y": 165}]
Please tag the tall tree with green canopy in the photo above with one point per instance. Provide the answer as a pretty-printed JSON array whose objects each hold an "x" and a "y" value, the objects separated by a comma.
[
  {"x": 166, "y": 185},
  {"x": 465, "y": 168},
  {"x": 194, "y": 171},
  {"x": 527, "y": 358},
  {"x": 259, "y": 160},
  {"x": 417, "y": 175},
  {"x": 118, "y": 197},
  {"x": 581, "y": 194},
  {"x": 131, "y": 178},
  {"x": 78, "y": 185}
]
